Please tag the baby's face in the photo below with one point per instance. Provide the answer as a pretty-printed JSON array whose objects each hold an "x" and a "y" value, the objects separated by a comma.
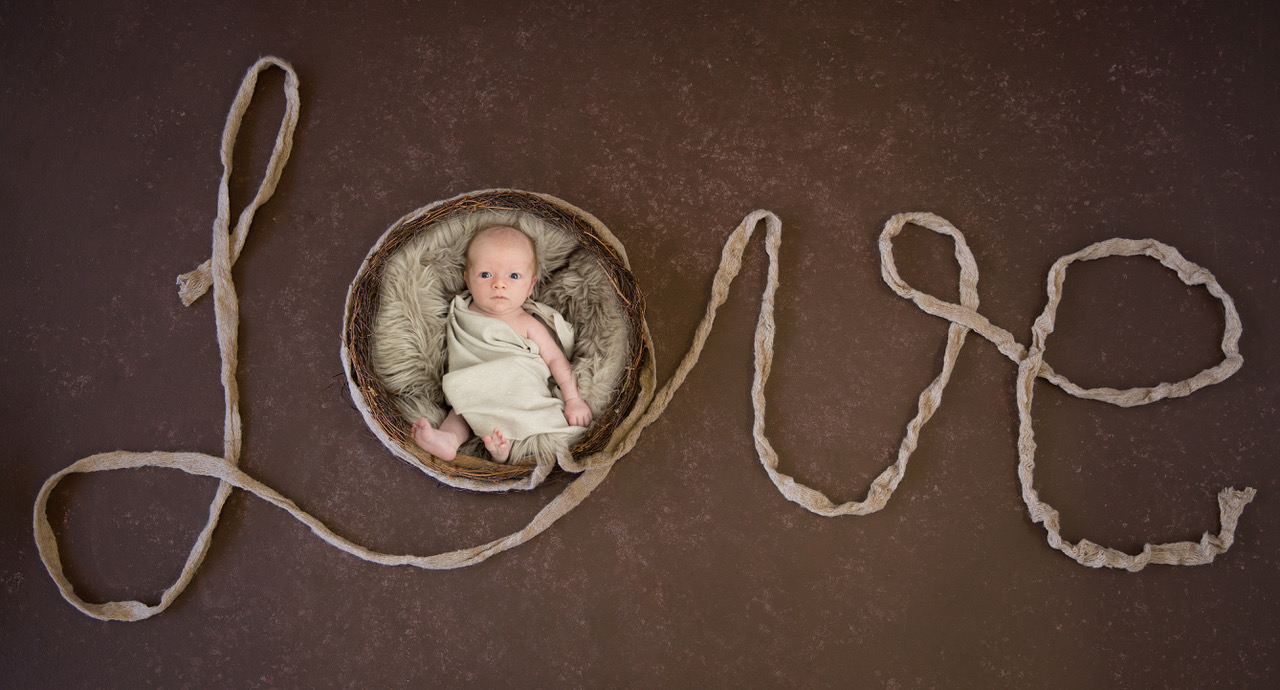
[{"x": 501, "y": 273}]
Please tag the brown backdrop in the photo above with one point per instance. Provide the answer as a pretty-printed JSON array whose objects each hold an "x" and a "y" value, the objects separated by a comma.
[{"x": 1037, "y": 128}]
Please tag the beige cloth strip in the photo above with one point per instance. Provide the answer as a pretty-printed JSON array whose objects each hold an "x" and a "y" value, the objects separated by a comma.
[
  {"x": 963, "y": 318},
  {"x": 1031, "y": 364},
  {"x": 216, "y": 273}
]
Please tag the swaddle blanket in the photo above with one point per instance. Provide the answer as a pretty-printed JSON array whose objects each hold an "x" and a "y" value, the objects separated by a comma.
[{"x": 497, "y": 378}]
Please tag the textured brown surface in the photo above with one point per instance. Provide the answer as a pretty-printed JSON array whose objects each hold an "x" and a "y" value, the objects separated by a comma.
[{"x": 1036, "y": 128}]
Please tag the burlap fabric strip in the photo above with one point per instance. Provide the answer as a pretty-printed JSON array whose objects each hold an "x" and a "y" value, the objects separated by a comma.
[{"x": 963, "y": 318}]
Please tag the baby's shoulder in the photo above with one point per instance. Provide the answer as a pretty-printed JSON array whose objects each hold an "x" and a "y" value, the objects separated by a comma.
[{"x": 529, "y": 326}]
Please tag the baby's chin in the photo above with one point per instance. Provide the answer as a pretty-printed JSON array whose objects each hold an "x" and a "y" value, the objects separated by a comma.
[{"x": 495, "y": 306}]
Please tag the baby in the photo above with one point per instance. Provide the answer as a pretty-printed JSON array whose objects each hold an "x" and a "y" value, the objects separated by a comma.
[{"x": 500, "y": 272}]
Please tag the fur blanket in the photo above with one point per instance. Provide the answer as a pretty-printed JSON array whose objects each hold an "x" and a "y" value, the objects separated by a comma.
[{"x": 421, "y": 280}]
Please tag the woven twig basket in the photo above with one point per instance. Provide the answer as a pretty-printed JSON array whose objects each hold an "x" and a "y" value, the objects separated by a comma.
[{"x": 378, "y": 404}]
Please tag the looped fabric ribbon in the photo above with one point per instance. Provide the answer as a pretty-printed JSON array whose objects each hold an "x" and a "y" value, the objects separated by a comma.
[{"x": 964, "y": 317}]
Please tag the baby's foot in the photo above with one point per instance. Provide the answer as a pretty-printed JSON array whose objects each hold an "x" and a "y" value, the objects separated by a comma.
[
  {"x": 499, "y": 446},
  {"x": 442, "y": 444}
]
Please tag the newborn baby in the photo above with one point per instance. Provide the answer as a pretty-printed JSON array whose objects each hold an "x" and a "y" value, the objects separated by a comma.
[{"x": 492, "y": 333}]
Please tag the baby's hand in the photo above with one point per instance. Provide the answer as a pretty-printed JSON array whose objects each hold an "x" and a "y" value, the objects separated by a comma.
[{"x": 576, "y": 412}]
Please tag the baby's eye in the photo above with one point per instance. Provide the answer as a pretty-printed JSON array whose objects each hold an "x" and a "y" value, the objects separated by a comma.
[
  {"x": 515, "y": 276},
  {"x": 485, "y": 274}
]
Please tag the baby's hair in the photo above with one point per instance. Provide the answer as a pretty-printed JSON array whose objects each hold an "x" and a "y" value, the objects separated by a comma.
[{"x": 466, "y": 252}]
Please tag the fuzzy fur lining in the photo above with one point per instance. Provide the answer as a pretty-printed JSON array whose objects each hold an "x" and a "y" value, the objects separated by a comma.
[{"x": 419, "y": 281}]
